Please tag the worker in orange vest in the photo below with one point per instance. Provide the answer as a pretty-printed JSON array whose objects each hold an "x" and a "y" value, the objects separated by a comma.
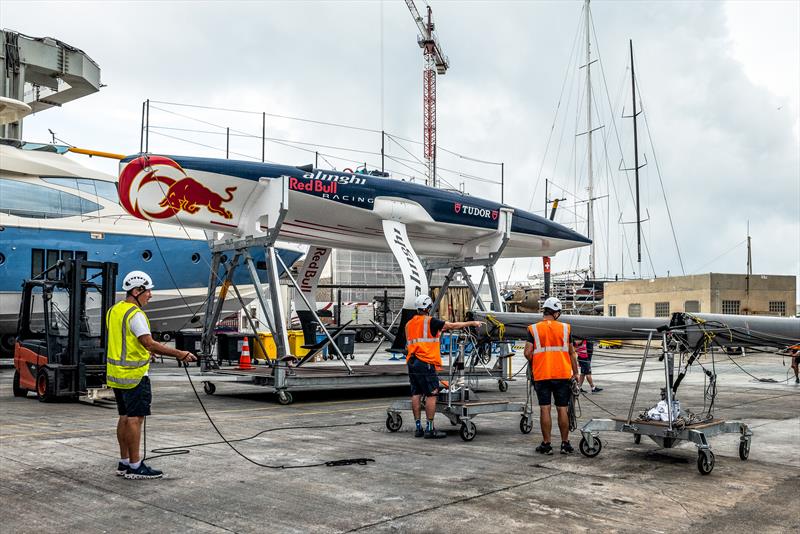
[
  {"x": 554, "y": 364},
  {"x": 424, "y": 359},
  {"x": 794, "y": 354}
]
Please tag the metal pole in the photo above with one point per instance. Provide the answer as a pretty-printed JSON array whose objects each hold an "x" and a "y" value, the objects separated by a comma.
[
  {"x": 263, "y": 136},
  {"x": 316, "y": 160},
  {"x": 141, "y": 132},
  {"x": 636, "y": 166},
  {"x": 667, "y": 382},
  {"x": 227, "y": 142},
  {"x": 502, "y": 182},
  {"x": 639, "y": 380},
  {"x": 338, "y": 308},
  {"x": 147, "y": 129},
  {"x": 589, "y": 140},
  {"x": 383, "y": 138}
]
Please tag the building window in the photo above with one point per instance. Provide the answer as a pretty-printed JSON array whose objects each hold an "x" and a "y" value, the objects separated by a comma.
[
  {"x": 662, "y": 309},
  {"x": 730, "y": 307},
  {"x": 634, "y": 310},
  {"x": 612, "y": 310},
  {"x": 778, "y": 307},
  {"x": 691, "y": 306}
]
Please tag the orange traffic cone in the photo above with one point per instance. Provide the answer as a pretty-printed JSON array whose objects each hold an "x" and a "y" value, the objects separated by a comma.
[{"x": 244, "y": 358}]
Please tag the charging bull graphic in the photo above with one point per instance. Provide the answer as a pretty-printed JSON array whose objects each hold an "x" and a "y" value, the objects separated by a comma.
[
  {"x": 188, "y": 194},
  {"x": 179, "y": 192}
]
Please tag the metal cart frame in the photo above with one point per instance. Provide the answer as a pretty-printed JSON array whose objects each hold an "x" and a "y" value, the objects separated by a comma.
[
  {"x": 666, "y": 434},
  {"x": 457, "y": 406}
]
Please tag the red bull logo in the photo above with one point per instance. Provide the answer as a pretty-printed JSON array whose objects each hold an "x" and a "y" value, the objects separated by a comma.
[{"x": 180, "y": 192}]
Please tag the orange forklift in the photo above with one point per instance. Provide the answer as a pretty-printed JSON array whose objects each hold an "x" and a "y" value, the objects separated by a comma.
[{"x": 60, "y": 349}]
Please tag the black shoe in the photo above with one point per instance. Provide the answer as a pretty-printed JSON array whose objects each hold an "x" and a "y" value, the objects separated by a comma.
[
  {"x": 121, "y": 469},
  {"x": 143, "y": 472},
  {"x": 583, "y": 390},
  {"x": 434, "y": 434},
  {"x": 596, "y": 389},
  {"x": 545, "y": 448},
  {"x": 418, "y": 433},
  {"x": 797, "y": 380},
  {"x": 566, "y": 448}
]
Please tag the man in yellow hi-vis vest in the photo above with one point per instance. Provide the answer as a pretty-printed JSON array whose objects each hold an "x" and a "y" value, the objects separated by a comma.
[{"x": 130, "y": 344}]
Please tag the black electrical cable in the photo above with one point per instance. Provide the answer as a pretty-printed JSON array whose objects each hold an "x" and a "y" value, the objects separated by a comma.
[{"x": 184, "y": 449}]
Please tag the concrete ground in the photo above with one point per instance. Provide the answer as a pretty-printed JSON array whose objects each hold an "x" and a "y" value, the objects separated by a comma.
[{"x": 57, "y": 463}]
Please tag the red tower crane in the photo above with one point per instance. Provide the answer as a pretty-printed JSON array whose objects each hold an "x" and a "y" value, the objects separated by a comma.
[{"x": 435, "y": 63}]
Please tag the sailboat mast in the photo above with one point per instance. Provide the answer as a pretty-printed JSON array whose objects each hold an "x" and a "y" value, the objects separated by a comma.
[
  {"x": 589, "y": 141},
  {"x": 636, "y": 166}
]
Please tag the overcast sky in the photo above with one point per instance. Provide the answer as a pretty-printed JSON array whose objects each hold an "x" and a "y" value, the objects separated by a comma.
[{"x": 719, "y": 82}]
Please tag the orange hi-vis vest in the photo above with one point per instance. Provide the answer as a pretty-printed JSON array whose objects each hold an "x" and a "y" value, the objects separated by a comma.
[
  {"x": 420, "y": 342},
  {"x": 551, "y": 351}
]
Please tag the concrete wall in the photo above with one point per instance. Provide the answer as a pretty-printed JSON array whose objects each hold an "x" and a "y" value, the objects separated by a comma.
[{"x": 708, "y": 289}]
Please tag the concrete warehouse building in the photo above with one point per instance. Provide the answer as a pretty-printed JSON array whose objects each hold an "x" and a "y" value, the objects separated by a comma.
[{"x": 738, "y": 294}]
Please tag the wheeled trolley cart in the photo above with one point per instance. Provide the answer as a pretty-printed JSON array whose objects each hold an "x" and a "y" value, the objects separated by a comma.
[
  {"x": 660, "y": 432},
  {"x": 675, "y": 429},
  {"x": 460, "y": 404},
  {"x": 462, "y": 412}
]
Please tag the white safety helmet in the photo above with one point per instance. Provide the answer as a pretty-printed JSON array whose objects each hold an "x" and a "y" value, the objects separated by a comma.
[
  {"x": 552, "y": 303},
  {"x": 423, "y": 302},
  {"x": 136, "y": 279}
]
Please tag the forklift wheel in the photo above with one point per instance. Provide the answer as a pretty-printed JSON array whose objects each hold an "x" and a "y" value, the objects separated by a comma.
[
  {"x": 18, "y": 391},
  {"x": 44, "y": 390}
]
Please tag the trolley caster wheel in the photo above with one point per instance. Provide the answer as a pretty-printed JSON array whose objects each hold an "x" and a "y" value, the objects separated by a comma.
[
  {"x": 705, "y": 462},
  {"x": 744, "y": 449},
  {"x": 583, "y": 446},
  {"x": 284, "y": 397},
  {"x": 502, "y": 385},
  {"x": 525, "y": 424},
  {"x": 468, "y": 431},
  {"x": 353, "y": 356},
  {"x": 209, "y": 388},
  {"x": 637, "y": 438},
  {"x": 394, "y": 422}
]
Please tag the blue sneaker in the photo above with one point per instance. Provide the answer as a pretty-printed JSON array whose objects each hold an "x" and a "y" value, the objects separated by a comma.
[
  {"x": 142, "y": 472},
  {"x": 121, "y": 469},
  {"x": 418, "y": 433}
]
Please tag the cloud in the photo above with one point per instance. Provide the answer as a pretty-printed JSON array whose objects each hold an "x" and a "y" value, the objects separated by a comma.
[{"x": 725, "y": 152}]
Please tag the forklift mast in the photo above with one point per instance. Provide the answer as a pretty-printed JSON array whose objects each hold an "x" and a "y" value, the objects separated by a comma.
[{"x": 57, "y": 359}]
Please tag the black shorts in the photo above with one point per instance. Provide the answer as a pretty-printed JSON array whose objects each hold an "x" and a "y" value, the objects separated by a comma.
[
  {"x": 586, "y": 366},
  {"x": 135, "y": 402},
  {"x": 422, "y": 376},
  {"x": 547, "y": 389}
]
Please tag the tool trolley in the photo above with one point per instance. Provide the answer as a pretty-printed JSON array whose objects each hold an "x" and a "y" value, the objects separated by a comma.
[
  {"x": 459, "y": 403},
  {"x": 672, "y": 432}
]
